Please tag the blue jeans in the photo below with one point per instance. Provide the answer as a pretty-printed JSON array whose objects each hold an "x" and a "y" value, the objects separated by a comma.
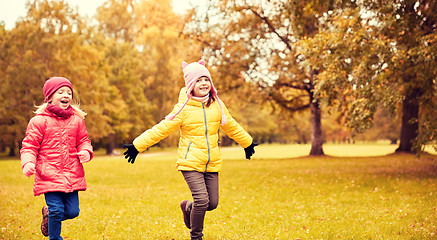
[
  {"x": 62, "y": 206},
  {"x": 204, "y": 188}
]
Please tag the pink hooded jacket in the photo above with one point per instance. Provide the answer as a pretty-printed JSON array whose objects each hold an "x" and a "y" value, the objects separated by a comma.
[{"x": 55, "y": 142}]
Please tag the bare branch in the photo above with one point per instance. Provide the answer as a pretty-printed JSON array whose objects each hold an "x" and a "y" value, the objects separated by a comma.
[
  {"x": 272, "y": 28},
  {"x": 290, "y": 85}
]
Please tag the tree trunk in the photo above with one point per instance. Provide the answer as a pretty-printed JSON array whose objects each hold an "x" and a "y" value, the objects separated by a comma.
[
  {"x": 316, "y": 127},
  {"x": 12, "y": 151},
  {"x": 110, "y": 145},
  {"x": 410, "y": 125},
  {"x": 109, "y": 148}
]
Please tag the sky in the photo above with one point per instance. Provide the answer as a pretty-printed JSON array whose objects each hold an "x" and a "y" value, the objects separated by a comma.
[{"x": 12, "y": 10}]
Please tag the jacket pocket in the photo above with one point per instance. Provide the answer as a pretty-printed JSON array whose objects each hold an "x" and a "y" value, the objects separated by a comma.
[
  {"x": 188, "y": 150},
  {"x": 47, "y": 171}
]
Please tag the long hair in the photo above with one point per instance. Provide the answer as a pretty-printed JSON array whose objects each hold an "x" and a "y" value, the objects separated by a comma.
[
  {"x": 75, "y": 105},
  {"x": 211, "y": 99}
]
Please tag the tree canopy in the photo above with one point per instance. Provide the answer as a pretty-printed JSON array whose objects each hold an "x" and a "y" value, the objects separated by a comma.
[
  {"x": 339, "y": 66},
  {"x": 351, "y": 56}
]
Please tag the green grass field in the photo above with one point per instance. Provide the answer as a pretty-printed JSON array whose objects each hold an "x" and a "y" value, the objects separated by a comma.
[{"x": 358, "y": 192}]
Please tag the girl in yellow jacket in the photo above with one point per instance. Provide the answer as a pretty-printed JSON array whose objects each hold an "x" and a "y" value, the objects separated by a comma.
[{"x": 198, "y": 115}]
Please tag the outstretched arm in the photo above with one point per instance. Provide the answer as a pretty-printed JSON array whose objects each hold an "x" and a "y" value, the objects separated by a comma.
[
  {"x": 151, "y": 137},
  {"x": 238, "y": 134}
]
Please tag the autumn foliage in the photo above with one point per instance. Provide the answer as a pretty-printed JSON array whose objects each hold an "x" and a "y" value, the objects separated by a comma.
[{"x": 289, "y": 71}]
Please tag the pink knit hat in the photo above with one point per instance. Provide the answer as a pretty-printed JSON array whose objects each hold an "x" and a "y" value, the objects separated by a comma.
[
  {"x": 53, "y": 84},
  {"x": 192, "y": 72}
]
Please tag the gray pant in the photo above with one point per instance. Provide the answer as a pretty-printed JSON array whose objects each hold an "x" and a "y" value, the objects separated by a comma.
[{"x": 204, "y": 188}]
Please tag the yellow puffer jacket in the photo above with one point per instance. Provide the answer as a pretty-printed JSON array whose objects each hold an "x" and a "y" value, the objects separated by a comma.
[{"x": 198, "y": 144}]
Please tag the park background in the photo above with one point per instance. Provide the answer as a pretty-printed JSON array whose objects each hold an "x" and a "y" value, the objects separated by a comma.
[{"x": 322, "y": 85}]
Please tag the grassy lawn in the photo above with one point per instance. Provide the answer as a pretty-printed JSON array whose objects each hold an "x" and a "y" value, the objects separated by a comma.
[{"x": 358, "y": 192}]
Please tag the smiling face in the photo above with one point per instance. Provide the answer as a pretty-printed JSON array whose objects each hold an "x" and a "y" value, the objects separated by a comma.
[
  {"x": 202, "y": 87},
  {"x": 62, "y": 97}
]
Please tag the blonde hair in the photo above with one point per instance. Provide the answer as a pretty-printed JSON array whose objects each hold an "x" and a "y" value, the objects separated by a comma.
[{"x": 75, "y": 105}]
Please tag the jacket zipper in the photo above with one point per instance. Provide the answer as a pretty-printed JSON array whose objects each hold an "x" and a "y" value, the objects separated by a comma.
[
  {"x": 188, "y": 150},
  {"x": 206, "y": 136}
]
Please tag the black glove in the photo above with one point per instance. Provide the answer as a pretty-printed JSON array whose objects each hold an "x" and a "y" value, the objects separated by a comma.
[
  {"x": 250, "y": 150},
  {"x": 131, "y": 153}
]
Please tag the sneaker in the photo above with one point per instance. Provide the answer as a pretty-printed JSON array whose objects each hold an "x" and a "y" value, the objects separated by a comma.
[
  {"x": 186, "y": 214},
  {"x": 45, "y": 221}
]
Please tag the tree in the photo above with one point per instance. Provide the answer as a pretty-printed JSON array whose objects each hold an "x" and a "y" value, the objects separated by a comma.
[
  {"x": 126, "y": 110},
  {"x": 30, "y": 53},
  {"x": 386, "y": 57},
  {"x": 162, "y": 51},
  {"x": 124, "y": 68},
  {"x": 145, "y": 59},
  {"x": 117, "y": 19},
  {"x": 411, "y": 26},
  {"x": 50, "y": 41},
  {"x": 260, "y": 40},
  {"x": 349, "y": 55}
]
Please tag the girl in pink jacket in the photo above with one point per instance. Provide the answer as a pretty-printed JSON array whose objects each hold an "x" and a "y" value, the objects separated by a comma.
[{"x": 54, "y": 148}]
